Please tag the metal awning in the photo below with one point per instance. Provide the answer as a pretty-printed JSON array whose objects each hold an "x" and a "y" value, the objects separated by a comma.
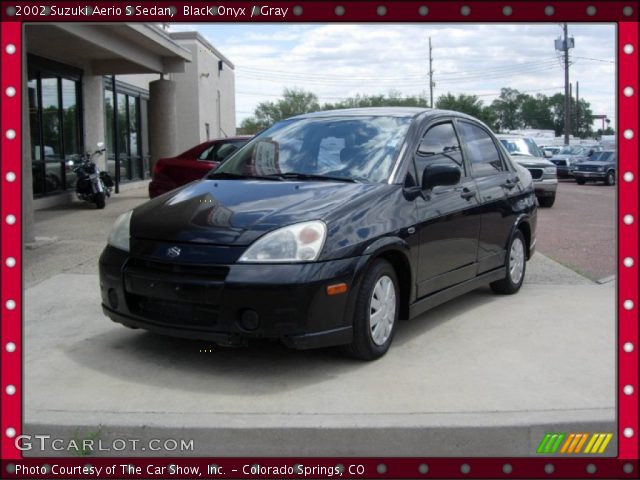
[{"x": 108, "y": 49}]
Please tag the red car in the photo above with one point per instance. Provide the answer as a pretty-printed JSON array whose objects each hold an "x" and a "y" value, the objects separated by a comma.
[{"x": 170, "y": 173}]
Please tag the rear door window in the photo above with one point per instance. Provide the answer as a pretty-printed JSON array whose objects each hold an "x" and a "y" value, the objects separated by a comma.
[{"x": 481, "y": 151}]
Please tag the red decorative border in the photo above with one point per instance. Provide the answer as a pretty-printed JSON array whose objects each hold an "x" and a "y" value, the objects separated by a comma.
[{"x": 624, "y": 466}]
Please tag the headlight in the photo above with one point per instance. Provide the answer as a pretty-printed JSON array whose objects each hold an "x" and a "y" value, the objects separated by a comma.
[
  {"x": 301, "y": 242},
  {"x": 119, "y": 234},
  {"x": 601, "y": 169},
  {"x": 551, "y": 170}
]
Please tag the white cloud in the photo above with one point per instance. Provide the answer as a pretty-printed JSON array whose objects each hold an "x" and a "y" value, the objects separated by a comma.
[{"x": 339, "y": 60}]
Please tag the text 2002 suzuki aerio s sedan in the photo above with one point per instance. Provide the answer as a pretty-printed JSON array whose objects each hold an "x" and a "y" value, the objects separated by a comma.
[{"x": 326, "y": 229}]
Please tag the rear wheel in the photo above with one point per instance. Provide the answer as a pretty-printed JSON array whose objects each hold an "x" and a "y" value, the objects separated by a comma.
[
  {"x": 100, "y": 200},
  {"x": 376, "y": 313},
  {"x": 580, "y": 181},
  {"x": 516, "y": 266},
  {"x": 610, "y": 179},
  {"x": 547, "y": 202}
]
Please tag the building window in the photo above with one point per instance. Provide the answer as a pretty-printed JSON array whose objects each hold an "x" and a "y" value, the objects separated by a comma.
[
  {"x": 55, "y": 124},
  {"x": 125, "y": 128}
]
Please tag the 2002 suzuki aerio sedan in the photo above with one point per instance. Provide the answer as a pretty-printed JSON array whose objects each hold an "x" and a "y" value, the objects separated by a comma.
[{"x": 326, "y": 229}]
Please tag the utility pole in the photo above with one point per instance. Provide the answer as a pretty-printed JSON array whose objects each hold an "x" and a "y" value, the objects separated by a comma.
[
  {"x": 577, "y": 109},
  {"x": 430, "y": 76},
  {"x": 567, "y": 100}
]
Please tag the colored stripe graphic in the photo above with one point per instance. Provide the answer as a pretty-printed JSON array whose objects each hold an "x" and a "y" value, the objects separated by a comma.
[
  {"x": 573, "y": 443},
  {"x": 550, "y": 442}
]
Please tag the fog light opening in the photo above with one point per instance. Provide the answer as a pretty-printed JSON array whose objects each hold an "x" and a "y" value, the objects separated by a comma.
[
  {"x": 249, "y": 320},
  {"x": 113, "y": 298},
  {"x": 337, "y": 289}
]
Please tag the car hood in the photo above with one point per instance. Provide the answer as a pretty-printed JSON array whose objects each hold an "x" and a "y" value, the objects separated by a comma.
[
  {"x": 532, "y": 161},
  {"x": 236, "y": 212},
  {"x": 594, "y": 164}
]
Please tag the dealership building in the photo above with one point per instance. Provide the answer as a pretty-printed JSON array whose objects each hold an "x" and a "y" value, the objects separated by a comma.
[{"x": 145, "y": 92}]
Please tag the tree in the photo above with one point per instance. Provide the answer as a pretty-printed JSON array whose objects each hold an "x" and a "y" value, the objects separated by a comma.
[
  {"x": 293, "y": 102},
  {"x": 392, "y": 99},
  {"x": 469, "y": 104},
  {"x": 585, "y": 115},
  {"x": 508, "y": 109},
  {"x": 535, "y": 112}
]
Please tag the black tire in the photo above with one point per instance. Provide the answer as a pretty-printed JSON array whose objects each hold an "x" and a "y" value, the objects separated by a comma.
[
  {"x": 99, "y": 198},
  {"x": 610, "y": 179},
  {"x": 547, "y": 202},
  {"x": 580, "y": 181},
  {"x": 364, "y": 345},
  {"x": 508, "y": 285}
]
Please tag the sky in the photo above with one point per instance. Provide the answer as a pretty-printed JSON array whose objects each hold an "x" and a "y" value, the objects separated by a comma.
[{"x": 340, "y": 60}]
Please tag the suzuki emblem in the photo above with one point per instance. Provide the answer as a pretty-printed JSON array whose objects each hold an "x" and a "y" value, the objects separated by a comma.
[{"x": 174, "y": 252}]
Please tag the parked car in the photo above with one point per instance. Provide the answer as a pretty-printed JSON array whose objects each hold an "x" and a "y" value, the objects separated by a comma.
[
  {"x": 170, "y": 173},
  {"x": 601, "y": 168},
  {"x": 407, "y": 209},
  {"x": 525, "y": 151},
  {"x": 570, "y": 155},
  {"x": 550, "y": 150}
]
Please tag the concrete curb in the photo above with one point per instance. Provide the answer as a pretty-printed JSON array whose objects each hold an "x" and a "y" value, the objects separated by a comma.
[{"x": 476, "y": 434}]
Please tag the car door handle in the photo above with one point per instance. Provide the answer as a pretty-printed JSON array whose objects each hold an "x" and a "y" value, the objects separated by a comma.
[{"x": 467, "y": 194}]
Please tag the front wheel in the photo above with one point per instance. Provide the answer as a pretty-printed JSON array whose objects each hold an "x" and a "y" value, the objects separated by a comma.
[
  {"x": 547, "y": 202},
  {"x": 516, "y": 266},
  {"x": 99, "y": 198},
  {"x": 580, "y": 181},
  {"x": 376, "y": 313},
  {"x": 610, "y": 179}
]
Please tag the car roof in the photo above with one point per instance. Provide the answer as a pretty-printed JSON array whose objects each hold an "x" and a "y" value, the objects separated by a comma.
[{"x": 406, "y": 112}]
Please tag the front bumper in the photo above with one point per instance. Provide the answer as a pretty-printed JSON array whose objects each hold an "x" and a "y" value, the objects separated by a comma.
[
  {"x": 546, "y": 187},
  {"x": 589, "y": 175},
  {"x": 229, "y": 304}
]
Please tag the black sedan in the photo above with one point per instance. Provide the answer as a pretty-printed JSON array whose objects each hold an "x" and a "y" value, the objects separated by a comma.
[
  {"x": 326, "y": 229},
  {"x": 601, "y": 168}
]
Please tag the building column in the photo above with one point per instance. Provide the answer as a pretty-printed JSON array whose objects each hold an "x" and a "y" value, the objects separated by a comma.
[
  {"x": 162, "y": 120},
  {"x": 94, "y": 131},
  {"x": 28, "y": 226}
]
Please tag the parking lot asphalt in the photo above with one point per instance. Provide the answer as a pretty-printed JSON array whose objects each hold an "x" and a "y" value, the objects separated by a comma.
[
  {"x": 481, "y": 375},
  {"x": 579, "y": 231}
]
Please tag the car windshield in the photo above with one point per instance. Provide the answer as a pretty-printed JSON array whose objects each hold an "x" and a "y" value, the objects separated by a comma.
[
  {"x": 602, "y": 157},
  {"x": 522, "y": 146},
  {"x": 570, "y": 150},
  {"x": 343, "y": 148}
]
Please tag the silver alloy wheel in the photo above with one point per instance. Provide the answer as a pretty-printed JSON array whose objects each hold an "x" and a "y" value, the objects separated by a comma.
[
  {"x": 516, "y": 260},
  {"x": 382, "y": 310}
]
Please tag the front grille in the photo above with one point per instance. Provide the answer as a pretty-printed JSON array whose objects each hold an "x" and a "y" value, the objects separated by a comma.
[
  {"x": 175, "y": 314},
  {"x": 536, "y": 173},
  {"x": 588, "y": 168},
  {"x": 180, "y": 270}
]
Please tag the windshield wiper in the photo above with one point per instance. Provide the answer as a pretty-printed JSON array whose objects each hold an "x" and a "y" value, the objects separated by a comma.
[
  {"x": 520, "y": 154},
  {"x": 309, "y": 176},
  {"x": 239, "y": 176}
]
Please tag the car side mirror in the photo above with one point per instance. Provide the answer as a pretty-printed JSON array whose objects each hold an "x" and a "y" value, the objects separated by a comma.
[
  {"x": 547, "y": 154},
  {"x": 440, "y": 175}
]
